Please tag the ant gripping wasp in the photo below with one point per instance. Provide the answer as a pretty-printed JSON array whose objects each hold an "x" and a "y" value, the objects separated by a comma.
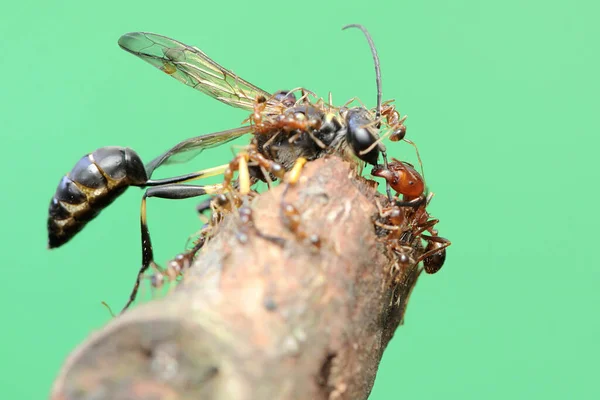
[{"x": 286, "y": 130}]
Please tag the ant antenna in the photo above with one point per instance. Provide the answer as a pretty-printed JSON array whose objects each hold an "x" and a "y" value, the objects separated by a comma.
[
  {"x": 105, "y": 304},
  {"x": 376, "y": 60}
]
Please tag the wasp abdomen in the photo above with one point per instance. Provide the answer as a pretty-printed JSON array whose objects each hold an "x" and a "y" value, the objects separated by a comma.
[{"x": 95, "y": 182}]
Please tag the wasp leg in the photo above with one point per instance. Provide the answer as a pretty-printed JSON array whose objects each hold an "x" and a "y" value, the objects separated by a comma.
[
  {"x": 388, "y": 187},
  {"x": 204, "y": 206},
  {"x": 204, "y": 173},
  {"x": 172, "y": 191},
  {"x": 201, "y": 208}
]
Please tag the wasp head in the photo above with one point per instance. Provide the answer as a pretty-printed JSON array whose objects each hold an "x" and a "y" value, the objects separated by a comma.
[{"x": 361, "y": 134}]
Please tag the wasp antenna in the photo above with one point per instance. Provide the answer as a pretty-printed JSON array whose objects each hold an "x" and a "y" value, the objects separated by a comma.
[{"x": 376, "y": 60}]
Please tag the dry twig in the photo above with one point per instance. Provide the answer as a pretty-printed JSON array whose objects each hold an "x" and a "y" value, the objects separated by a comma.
[{"x": 258, "y": 320}]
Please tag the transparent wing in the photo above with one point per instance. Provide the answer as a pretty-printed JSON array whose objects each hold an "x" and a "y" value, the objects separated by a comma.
[
  {"x": 190, "y": 148},
  {"x": 192, "y": 67}
]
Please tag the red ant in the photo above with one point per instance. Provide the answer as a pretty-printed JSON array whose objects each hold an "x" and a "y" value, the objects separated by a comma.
[{"x": 408, "y": 219}]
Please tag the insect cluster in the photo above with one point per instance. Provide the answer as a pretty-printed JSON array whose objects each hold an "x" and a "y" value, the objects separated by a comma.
[{"x": 288, "y": 129}]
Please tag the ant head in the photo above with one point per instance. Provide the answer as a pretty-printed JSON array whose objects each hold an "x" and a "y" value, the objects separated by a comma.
[{"x": 403, "y": 178}]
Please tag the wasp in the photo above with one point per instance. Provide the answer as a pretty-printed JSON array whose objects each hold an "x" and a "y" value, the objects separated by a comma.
[{"x": 288, "y": 128}]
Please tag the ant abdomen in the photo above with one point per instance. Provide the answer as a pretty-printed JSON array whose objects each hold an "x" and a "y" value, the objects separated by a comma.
[
  {"x": 434, "y": 262},
  {"x": 95, "y": 182}
]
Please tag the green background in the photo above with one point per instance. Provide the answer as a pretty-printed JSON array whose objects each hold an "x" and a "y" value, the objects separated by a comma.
[{"x": 502, "y": 99}]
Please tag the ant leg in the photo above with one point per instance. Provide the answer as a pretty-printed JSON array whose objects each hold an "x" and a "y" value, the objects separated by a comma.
[
  {"x": 240, "y": 164},
  {"x": 418, "y": 156},
  {"x": 202, "y": 233},
  {"x": 166, "y": 192},
  {"x": 289, "y": 214},
  {"x": 346, "y": 104},
  {"x": 110, "y": 311},
  {"x": 247, "y": 219},
  {"x": 411, "y": 203},
  {"x": 376, "y": 143},
  {"x": 244, "y": 182},
  {"x": 304, "y": 94},
  {"x": 175, "y": 269},
  {"x": 268, "y": 143},
  {"x": 182, "y": 262},
  {"x": 157, "y": 277},
  {"x": 245, "y": 211},
  {"x": 427, "y": 226}
]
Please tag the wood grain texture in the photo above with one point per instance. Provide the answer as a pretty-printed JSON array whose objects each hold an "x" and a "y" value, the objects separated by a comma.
[{"x": 260, "y": 320}]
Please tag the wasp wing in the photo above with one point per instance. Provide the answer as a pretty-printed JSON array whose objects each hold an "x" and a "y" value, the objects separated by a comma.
[
  {"x": 190, "y": 148},
  {"x": 192, "y": 67}
]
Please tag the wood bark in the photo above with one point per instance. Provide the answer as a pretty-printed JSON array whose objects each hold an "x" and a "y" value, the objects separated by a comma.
[{"x": 261, "y": 320}]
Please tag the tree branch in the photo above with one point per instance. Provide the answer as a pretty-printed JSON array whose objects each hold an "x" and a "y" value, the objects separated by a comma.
[{"x": 260, "y": 320}]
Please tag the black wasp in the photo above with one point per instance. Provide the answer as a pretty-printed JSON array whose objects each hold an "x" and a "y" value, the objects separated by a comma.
[{"x": 287, "y": 126}]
